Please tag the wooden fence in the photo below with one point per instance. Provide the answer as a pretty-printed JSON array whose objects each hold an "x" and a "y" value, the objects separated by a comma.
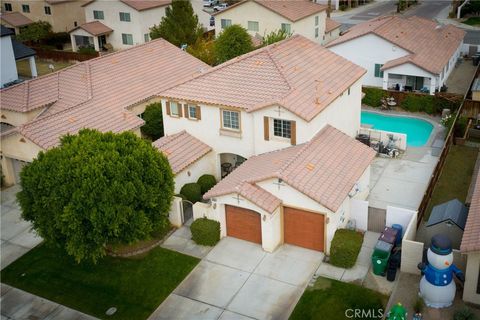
[
  {"x": 400, "y": 96},
  {"x": 57, "y": 55},
  {"x": 471, "y": 108},
  {"x": 449, "y": 140}
]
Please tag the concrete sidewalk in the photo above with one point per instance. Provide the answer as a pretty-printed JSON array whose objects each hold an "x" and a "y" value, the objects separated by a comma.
[{"x": 18, "y": 304}]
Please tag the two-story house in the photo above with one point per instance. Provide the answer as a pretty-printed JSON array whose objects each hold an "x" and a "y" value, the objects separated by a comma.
[
  {"x": 260, "y": 17},
  {"x": 63, "y": 15},
  {"x": 411, "y": 54},
  {"x": 123, "y": 23},
  {"x": 279, "y": 123}
]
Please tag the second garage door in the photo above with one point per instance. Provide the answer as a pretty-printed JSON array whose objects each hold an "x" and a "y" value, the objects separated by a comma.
[
  {"x": 304, "y": 229},
  {"x": 244, "y": 224}
]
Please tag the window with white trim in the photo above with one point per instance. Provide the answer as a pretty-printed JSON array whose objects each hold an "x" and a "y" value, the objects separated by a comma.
[
  {"x": 25, "y": 8},
  {"x": 174, "y": 109},
  {"x": 7, "y": 6},
  {"x": 98, "y": 15},
  {"x": 48, "y": 10},
  {"x": 127, "y": 38},
  {"x": 286, "y": 27},
  {"x": 230, "y": 120},
  {"x": 125, "y": 16},
  {"x": 225, "y": 23},
  {"x": 192, "y": 111},
  {"x": 378, "y": 71},
  {"x": 282, "y": 128},
  {"x": 253, "y": 26}
]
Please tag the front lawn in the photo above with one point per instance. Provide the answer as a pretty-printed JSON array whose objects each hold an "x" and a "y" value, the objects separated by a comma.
[
  {"x": 346, "y": 245},
  {"x": 455, "y": 178},
  {"x": 135, "y": 286},
  {"x": 472, "y": 21},
  {"x": 330, "y": 300}
]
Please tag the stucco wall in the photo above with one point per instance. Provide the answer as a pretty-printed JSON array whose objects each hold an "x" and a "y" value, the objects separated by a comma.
[
  {"x": 471, "y": 275},
  {"x": 18, "y": 118},
  {"x": 8, "y": 66},
  {"x": 269, "y": 21},
  {"x": 205, "y": 165},
  {"x": 17, "y": 147},
  {"x": 331, "y": 35}
]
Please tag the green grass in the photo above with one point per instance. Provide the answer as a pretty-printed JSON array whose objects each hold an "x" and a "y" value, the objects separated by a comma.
[
  {"x": 455, "y": 178},
  {"x": 23, "y": 67},
  {"x": 346, "y": 245},
  {"x": 135, "y": 286},
  {"x": 329, "y": 299},
  {"x": 472, "y": 21}
]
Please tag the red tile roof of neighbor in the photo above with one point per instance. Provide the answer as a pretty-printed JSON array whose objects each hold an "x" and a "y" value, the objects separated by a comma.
[
  {"x": 141, "y": 5},
  {"x": 15, "y": 19},
  {"x": 181, "y": 149},
  {"x": 295, "y": 73},
  {"x": 95, "y": 28},
  {"x": 293, "y": 10},
  {"x": 325, "y": 169},
  {"x": 96, "y": 93},
  {"x": 431, "y": 46},
  {"x": 471, "y": 234},
  {"x": 331, "y": 25}
]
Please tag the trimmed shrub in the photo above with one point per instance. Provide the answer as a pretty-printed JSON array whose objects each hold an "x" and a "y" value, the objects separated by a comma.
[
  {"x": 205, "y": 232},
  {"x": 346, "y": 245},
  {"x": 464, "y": 313},
  {"x": 86, "y": 50},
  {"x": 418, "y": 103},
  {"x": 192, "y": 191},
  {"x": 206, "y": 182},
  {"x": 373, "y": 96}
]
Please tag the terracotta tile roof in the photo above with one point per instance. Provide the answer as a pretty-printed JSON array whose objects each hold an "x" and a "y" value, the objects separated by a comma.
[
  {"x": 471, "y": 234},
  {"x": 292, "y": 10},
  {"x": 259, "y": 196},
  {"x": 331, "y": 25},
  {"x": 141, "y": 5},
  {"x": 15, "y": 19},
  {"x": 295, "y": 73},
  {"x": 96, "y": 93},
  {"x": 325, "y": 169},
  {"x": 95, "y": 28},
  {"x": 181, "y": 149},
  {"x": 431, "y": 46},
  {"x": 54, "y": 2}
]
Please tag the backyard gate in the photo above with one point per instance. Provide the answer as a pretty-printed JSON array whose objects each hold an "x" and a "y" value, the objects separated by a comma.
[{"x": 377, "y": 219}]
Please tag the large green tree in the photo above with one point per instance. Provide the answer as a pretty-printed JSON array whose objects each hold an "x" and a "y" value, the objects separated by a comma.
[
  {"x": 153, "y": 127},
  {"x": 203, "y": 49},
  {"x": 35, "y": 32},
  {"x": 275, "y": 36},
  {"x": 97, "y": 189},
  {"x": 232, "y": 42},
  {"x": 179, "y": 25}
]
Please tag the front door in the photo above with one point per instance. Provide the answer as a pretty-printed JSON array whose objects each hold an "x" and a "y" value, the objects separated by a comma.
[{"x": 102, "y": 40}]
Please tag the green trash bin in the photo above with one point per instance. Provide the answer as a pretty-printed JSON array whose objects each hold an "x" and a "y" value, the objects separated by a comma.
[{"x": 380, "y": 261}]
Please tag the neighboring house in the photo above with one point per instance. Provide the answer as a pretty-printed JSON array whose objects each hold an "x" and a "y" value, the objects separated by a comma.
[
  {"x": 106, "y": 93},
  {"x": 293, "y": 108},
  {"x": 471, "y": 246},
  {"x": 261, "y": 17},
  {"x": 409, "y": 53},
  {"x": 476, "y": 90},
  {"x": 123, "y": 23},
  {"x": 15, "y": 21},
  {"x": 63, "y": 15},
  {"x": 12, "y": 51}
]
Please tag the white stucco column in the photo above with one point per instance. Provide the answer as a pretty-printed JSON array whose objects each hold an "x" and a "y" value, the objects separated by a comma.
[
  {"x": 74, "y": 43},
  {"x": 33, "y": 66},
  {"x": 271, "y": 230},
  {"x": 433, "y": 82},
  {"x": 385, "y": 80},
  {"x": 7, "y": 170},
  {"x": 95, "y": 44}
]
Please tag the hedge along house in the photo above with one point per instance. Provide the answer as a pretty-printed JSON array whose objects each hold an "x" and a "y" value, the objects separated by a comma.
[
  {"x": 189, "y": 157},
  {"x": 298, "y": 195},
  {"x": 108, "y": 93},
  {"x": 410, "y": 53}
]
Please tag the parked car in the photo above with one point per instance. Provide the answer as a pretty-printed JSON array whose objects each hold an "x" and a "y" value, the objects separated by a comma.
[
  {"x": 212, "y": 21},
  {"x": 209, "y": 3},
  {"x": 220, "y": 7}
]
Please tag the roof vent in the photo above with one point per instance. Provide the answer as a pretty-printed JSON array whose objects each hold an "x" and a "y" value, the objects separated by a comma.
[
  {"x": 310, "y": 166},
  {"x": 72, "y": 119}
]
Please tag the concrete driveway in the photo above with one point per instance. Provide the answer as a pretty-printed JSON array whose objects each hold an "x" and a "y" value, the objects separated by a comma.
[{"x": 238, "y": 280}]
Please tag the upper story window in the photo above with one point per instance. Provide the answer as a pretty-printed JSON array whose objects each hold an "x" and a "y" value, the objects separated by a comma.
[
  {"x": 48, "y": 10},
  {"x": 25, "y": 8},
  {"x": 252, "y": 25},
  {"x": 174, "y": 109},
  {"x": 225, "y": 23},
  {"x": 146, "y": 37},
  {"x": 127, "y": 39},
  {"x": 125, "y": 16},
  {"x": 7, "y": 6},
  {"x": 193, "y": 112},
  {"x": 378, "y": 72},
  {"x": 231, "y": 120},
  {"x": 316, "y": 20},
  {"x": 98, "y": 15},
  {"x": 286, "y": 27},
  {"x": 282, "y": 128},
  {"x": 316, "y": 32}
]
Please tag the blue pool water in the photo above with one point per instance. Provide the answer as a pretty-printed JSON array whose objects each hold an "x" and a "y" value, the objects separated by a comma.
[{"x": 417, "y": 130}]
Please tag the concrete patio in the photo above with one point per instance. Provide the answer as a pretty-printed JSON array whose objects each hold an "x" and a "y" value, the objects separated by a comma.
[
  {"x": 181, "y": 241},
  {"x": 238, "y": 280}
]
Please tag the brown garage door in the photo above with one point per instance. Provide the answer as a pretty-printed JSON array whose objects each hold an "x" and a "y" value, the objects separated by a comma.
[
  {"x": 243, "y": 224},
  {"x": 304, "y": 229}
]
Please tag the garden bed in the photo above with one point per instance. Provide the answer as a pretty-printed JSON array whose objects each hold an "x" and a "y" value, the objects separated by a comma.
[
  {"x": 346, "y": 245},
  {"x": 135, "y": 286}
]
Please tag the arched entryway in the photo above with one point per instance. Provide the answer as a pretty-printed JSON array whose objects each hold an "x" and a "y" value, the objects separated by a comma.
[{"x": 229, "y": 162}]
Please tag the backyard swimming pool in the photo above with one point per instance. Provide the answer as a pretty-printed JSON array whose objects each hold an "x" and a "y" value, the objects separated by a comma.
[{"x": 417, "y": 130}]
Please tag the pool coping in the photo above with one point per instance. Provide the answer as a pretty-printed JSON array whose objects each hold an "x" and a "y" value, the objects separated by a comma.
[{"x": 433, "y": 120}]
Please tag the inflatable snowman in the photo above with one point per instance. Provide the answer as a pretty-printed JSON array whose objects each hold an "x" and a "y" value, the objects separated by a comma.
[{"x": 437, "y": 287}]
